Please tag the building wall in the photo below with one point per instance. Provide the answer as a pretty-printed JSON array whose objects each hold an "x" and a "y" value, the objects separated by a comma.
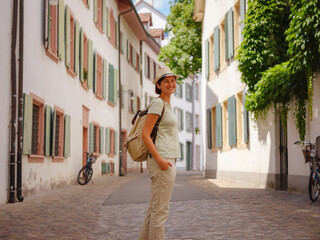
[
  {"x": 254, "y": 162},
  {"x": 5, "y": 103}
]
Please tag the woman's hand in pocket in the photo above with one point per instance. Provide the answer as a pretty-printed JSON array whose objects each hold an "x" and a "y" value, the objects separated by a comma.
[{"x": 164, "y": 164}]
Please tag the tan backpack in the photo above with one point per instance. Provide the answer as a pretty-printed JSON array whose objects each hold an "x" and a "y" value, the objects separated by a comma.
[{"x": 134, "y": 143}]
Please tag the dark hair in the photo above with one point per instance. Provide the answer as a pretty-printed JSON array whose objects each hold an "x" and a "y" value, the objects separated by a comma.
[{"x": 157, "y": 90}]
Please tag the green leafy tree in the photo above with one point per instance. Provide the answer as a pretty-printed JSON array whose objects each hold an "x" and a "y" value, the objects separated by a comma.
[{"x": 183, "y": 54}]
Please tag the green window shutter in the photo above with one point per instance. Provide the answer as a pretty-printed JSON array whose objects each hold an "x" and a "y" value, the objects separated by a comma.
[
  {"x": 218, "y": 125},
  {"x": 61, "y": 26},
  {"x": 102, "y": 140},
  {"x": 242, "y": 15},
  {"x": 76, "y": 48},
  {"x": 67, "y": 135},
  {"x": 115, "y": 142},
  {"x": 116, "y": 83},
  {"x": 67, "y": 39},
  {"x": 81, "y": 56},
  {"x": 104, "y": 16},
  {"x": 90, "y": 64},
  {"x": 111, "y": 84},
  {"x": 91, "y": 136},
  {"x": 103, "y": 168},
  {"x": 48, "y": 114},
  {"x": 226, "y": 42},
  {"x": 107, "y": 140},
  {"x": 95, "y": 13},
  {"x": 27, "y": 124},
  {"x": 133, "y": 58},
  {"x": 53, "y": 135},
  {"x": 95, "y": 76},
  {"x": 108, "y": 24},
  {"x": 47, "y": 25},
  {"x": 207, "y": 58},
  {"x": 245, "y": 118},
  {"x": 209, "y": 137},
  {"x": 232, "y": 121},
  {"x": 127, "y": 50},
  {"x": 104, "y": 81},
  {"x": 216, "y": 45},
  {"x": 230, "y": 34}
]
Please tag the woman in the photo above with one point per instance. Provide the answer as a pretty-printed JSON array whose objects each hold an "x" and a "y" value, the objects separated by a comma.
[{"x": 164, "y": 152}]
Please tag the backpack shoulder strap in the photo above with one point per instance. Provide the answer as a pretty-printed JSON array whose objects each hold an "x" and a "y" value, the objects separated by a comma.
[{"x": 155, "y": 128}]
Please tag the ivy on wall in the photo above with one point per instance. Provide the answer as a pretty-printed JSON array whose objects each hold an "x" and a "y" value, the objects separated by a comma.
[{"x": 279, "y": 55}]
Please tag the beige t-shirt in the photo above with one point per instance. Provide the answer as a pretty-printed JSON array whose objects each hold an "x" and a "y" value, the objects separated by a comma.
[{"x": 167, "y": 140}]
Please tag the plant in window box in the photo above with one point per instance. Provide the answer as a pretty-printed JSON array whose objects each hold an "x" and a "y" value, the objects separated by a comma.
[
  {"x": 197, "y": 130},
  {"x": 85, "y": 75}
]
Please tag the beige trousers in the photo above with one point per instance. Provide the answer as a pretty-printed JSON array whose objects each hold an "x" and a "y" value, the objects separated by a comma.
[{"x": 161, "y": 188}]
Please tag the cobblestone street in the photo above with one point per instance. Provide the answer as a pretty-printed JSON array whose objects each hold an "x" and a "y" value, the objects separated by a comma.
[{"x": 114, "y": 208}]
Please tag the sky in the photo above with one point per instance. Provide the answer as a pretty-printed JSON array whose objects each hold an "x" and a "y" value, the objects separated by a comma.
[{"x": 161, "y": 5}]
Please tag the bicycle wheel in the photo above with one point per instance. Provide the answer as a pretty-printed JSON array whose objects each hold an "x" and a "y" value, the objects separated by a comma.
[
  {"x": 85, "y": 175},
  {"x": 313, "y": 187}
]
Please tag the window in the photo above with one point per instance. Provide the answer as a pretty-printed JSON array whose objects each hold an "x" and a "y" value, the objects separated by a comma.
[
  {"x": 188, "y": 92},
  {"x": 131, "y": 100},
  {"x": 99, "y": 77},
  {"x": 154, "y": 70},
  {"x": 225, "y": 125},
  {"x": 52, "y": 32},
  {"x": 179, "y": 91},
  {"x": 58, "y": 127},
  {"x": 111, "y": 142},
  {"x": 131, "y": 55},
  {"x": 138, "y": 103},
  {"x": 229, "y": 35},
  {"x": 223, "y": 51},
  {"x": 70, "y": 44},
  {"x": 121, "y": 42},
  {"x": 197, "y": 89},
  {"x": 198, "y": 122},
  {"x": 95, "y": 138},
  {"x": 148, "y": 67},
  {"x": 179, "y": 114},
  {"x": 137, "y": 62},
  {"x": 188, "y": 122},
  {"x": 242, "y": 121},
  {"x": 37, "y": 142},
  {"x": 99, "y": 16},
  {"x": 84, "y": 60},
  {"x": 181, "y": 152}
]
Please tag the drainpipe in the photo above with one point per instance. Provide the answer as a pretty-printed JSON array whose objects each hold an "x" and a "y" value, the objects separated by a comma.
[
  {"x": 141, "y": 83},
  {"x": 13, "y": 102},
  {"x": 20, "y": 103},
  {"x": 120, "y": 90}
]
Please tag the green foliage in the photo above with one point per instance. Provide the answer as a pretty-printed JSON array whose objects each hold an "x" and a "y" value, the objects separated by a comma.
[
  {"x": 263, "y": 44},
  {"x": 183, "y": 54},
  {"x": 273, "y": 76}
]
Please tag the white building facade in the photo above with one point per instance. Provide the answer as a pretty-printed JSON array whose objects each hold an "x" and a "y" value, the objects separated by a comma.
[
  {"x": 71, "y": 90},
  {"x": 186, "y": 101},
  {"x": 259, "y": 153}
]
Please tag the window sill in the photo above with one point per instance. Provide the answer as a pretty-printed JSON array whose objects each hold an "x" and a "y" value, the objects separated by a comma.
[
  {"x": 111, "y": 104},
  {"x": 242, "y": 146},
  {"x": 84, "y": 85},
  {"x": 51, "y": 55},
  {"x": 111, "y": 155},
  {"x": 99, "y": 97},
  {"x": 72, "y": 74},
  {"x": 99, "y": 28},
  {"x": 57, "y": 159},
  {"x": 226, "y": 148},
  {"x": 35, "y": 158}
]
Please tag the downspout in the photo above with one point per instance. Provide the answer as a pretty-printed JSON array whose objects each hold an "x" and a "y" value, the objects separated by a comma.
[
  {"x": 120, "y": 90},
  {"x": 13, "y": 102},
  {"x": 141, "y": 83},
  {"x": 20, "y": 103}
]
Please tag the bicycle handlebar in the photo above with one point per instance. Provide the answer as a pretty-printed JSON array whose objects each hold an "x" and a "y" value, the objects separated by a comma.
[{"x": 304, "y": 142}]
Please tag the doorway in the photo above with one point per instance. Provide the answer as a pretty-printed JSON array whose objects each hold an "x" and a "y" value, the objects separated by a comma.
[
  {"x": 188, "y": 156},
  {"x": 283, "y": 148},
  {"x": 85, "y": 133}
]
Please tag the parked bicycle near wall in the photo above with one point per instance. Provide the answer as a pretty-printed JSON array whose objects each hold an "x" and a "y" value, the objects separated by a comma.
[
  {"x": 311, "y": 155},
  {"x": 85, "y": 174}
]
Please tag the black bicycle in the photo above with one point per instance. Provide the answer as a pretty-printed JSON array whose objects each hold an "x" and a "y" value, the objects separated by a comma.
[
  {"x": 85, "y": 174},
  {"x": 310, "y": 155}
]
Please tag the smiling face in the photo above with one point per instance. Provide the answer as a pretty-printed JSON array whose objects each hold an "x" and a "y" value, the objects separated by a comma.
[{"x": 167, "y": 85}]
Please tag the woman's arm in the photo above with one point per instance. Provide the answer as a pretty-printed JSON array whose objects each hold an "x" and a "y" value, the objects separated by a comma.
[{"x": 146, "y": 131}]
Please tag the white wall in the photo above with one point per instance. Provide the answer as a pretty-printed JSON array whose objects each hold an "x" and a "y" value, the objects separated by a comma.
[
  {"x": 254, "y": 163},
  {"x": 5, "y": 97}
]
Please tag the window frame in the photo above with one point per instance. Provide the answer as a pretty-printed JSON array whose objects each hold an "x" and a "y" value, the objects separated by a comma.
[
  {"x": 71, "y": 67},
  {"x": 39, "y": 156},
  {"x": 52, "y": 49},
  {"x": 96, "y": 138},
  {"x": 60, "y": 156},
  {"x": 99, "y": 76}
]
